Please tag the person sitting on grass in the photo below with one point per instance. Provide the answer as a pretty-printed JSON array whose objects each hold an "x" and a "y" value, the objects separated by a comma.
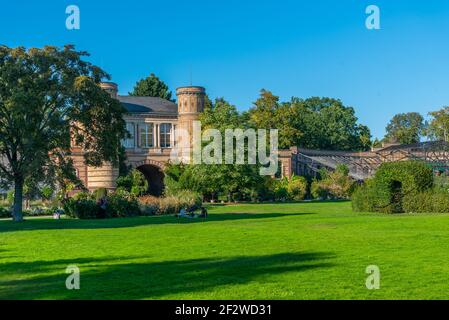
[{"x": 183, "y": 213}]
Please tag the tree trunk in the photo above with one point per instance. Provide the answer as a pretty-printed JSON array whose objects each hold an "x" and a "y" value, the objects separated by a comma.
[{"x": 18, "y": 198}]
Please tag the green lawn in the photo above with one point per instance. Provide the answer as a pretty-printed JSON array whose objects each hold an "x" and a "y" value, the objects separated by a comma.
[{"x": 268, "y": 251}]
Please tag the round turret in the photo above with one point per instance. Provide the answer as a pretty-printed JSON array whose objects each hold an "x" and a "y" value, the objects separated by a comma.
[
  {"x": 190, "y": 105},
  {"x": 110, "y": 87},
  {"x": 190, "y": 99}
]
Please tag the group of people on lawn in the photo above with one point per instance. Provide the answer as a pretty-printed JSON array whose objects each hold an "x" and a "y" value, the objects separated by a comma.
[{"x": 190, "y": 213}]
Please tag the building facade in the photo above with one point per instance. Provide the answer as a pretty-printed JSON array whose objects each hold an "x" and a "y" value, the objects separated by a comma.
[{"x": 155, "y": 126}]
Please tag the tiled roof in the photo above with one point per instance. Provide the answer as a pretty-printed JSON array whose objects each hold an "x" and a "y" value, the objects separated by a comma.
[{"x": 148, "y": 105}]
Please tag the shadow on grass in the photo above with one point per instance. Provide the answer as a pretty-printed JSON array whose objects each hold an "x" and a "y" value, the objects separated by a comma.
[
  {"x": 5, "y": 256},
  {"x": 114, "y": 279},
  {"x": 51, "y": 224},
  {"x": 275, "y": 202}
]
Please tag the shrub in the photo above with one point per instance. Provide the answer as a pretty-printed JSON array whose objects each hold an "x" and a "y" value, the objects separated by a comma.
[
  {"x": 441, "y": 181},
  {"x": 149, "y": 209},
  {"x": 364, "y": 198},
  {"x": 134, "y": 182},
  {"x": 418, "y": 202},
  {"x": 318, "y": 190},
  {"x": 170, "y": 204},
  {"x": 5, "y": 213},
  {"x": 124, "y": 204},
  {"x": 84, "y": 206},
  {"x": 121, "y": 205},
  {"x": 433, "y": 200},
  {"x": 189, "y": 198},
  {"x": 100, "y": 193},
  {"x": 83, "y": 196},
  {"x": 294, "y": 188},
  {"x": 393, "y": 182},
  {"x": 280, "y": 190},
  {"x": 81, "y": 208},
  {"x": 150, "y": 205},
  {"x": 266, "y": 190},
  {"x": 297, "y": 188},
  {"x": 440, "y": 201},
  {"x": 414, "y": 176},
  {"x": 336, "y": 184},
  {"x": 118, "y": 204}
]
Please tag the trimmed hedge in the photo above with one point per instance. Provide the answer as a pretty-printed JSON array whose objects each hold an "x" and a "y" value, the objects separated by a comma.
[
  {"x": 434, "y": 200},
  {"x": 364, "y": 198},
  {"x": 393, "y": 182}
]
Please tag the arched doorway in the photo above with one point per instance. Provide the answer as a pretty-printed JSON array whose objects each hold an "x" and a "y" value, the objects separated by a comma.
[
  {"x": 155, "y": 178},
  {"x": 396, "y": 196}
]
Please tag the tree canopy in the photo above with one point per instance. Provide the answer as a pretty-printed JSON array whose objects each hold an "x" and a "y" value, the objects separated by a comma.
[
  {"x": 151, "y": 86},
  {"x": 47, "y": 96},
  {"x": 233, "y": 180},
  {"x": 405, "y": 128},
  {"x": 438, "y": 128},
  {"x": 315, "y": 123}
]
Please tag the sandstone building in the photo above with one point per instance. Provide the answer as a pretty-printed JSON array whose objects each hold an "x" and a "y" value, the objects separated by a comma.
[{"x": 153, "y": 124}]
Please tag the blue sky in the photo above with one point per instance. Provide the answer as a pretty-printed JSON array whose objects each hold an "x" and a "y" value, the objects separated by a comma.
[{"x": 235, "y": 48}]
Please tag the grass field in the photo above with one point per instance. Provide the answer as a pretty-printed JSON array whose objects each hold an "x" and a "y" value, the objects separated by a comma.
[{"x": 268, "y": 251}]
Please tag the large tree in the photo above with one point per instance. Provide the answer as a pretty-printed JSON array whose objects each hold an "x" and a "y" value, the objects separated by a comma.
[
  {"x": 269, "y": 113},
  {"x": 405, "y": 128},
  {"x": 330, "y": 125},
  {"x": 50, "y": 100},
  {"x": 438, "y": 128},
  {"x": 316, "y": 123},
  {"x": 151, "y": 86}
]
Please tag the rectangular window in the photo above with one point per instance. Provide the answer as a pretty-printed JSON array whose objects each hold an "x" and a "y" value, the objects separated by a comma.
[
  {"x": 146, "y": 135},
  {"x": 129, "y": 142},
  {"x": 165, "y": 135}
]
